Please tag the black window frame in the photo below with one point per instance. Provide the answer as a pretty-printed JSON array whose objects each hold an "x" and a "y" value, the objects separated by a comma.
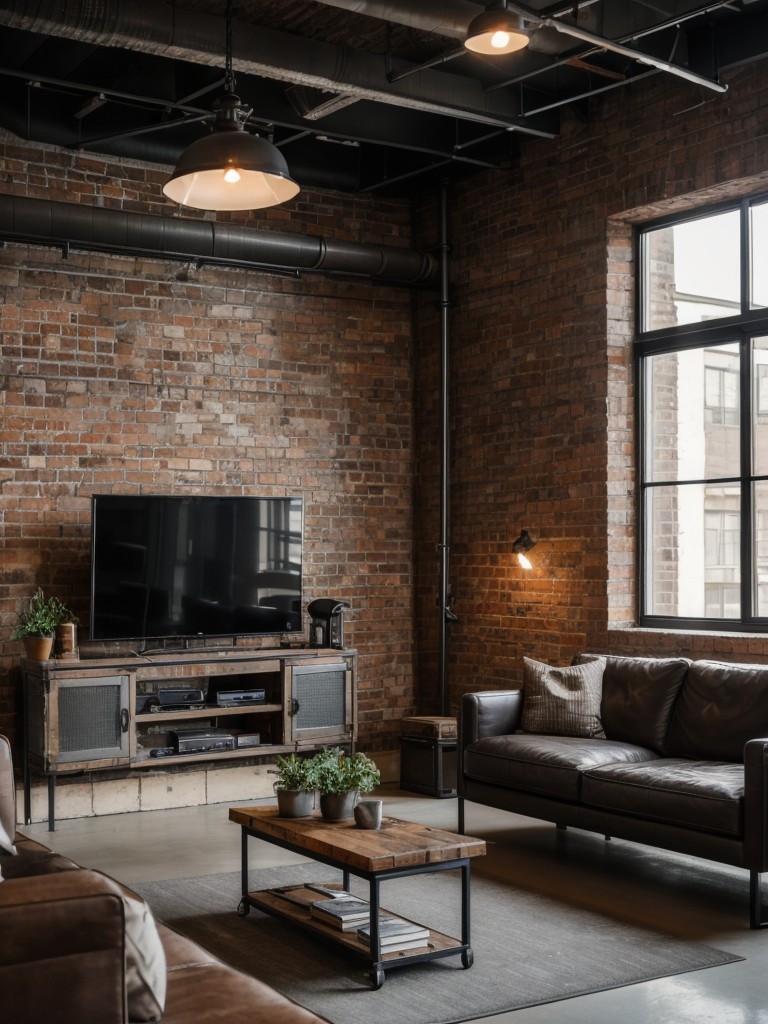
[{"x": 742, "y": 328}]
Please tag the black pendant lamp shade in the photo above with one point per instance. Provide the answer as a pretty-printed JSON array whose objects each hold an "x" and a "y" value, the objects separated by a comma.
[
  {"x": 230, "y": 169},
  {"x": 496, "y": 31}
]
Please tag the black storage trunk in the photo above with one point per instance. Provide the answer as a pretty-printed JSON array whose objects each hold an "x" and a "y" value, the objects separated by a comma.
[{"x": 428, "y": 765}]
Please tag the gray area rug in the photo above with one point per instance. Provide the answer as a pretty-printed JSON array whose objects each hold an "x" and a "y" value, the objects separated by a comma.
[{"x": 528, "y": 949}]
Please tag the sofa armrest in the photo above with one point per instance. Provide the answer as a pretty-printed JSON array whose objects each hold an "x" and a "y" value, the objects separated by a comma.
[
  {"x": 489, "y": 713},
  {"x": 756, "y": 804},
  {"x": 62, "y": 949}
]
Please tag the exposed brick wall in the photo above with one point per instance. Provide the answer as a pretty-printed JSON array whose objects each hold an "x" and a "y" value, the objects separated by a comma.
[
  {"x": 135, "y": 374},
  {"x": 542, "y": 396}
]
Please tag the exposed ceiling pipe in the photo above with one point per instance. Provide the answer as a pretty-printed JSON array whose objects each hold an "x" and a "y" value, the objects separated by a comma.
[
  {"x": 48, "y": 222},
  {"x": 449, "y": 18},
  {"x": 625, "y": 51}
]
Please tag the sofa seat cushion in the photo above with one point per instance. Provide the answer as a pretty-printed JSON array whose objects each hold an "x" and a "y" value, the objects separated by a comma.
[
  {"x": 694, "y": 794},
  {"x": 214, "y": 993},
  {"x": 549, "y": 765}
]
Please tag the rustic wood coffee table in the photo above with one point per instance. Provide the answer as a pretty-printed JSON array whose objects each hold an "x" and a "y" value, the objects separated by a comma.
[{"x": 397, "y": 850}]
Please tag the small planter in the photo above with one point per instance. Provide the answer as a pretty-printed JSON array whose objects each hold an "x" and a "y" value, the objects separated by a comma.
[
  {"x": 293, "y": 803},
  {"x": 335, "y": 806},
  {"x": 37, "y": 648}
]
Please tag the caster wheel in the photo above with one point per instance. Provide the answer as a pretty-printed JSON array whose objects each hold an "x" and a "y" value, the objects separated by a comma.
[
  {"x": 243, "y": 908},
  {"x": 376, "y": 977},
  {"x": 467, "y": 958}
]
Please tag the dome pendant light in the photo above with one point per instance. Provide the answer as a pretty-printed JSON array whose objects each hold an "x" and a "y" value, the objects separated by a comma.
[
  {"x": 230, "y": 169},
  {"x": 496, "y": 32}
]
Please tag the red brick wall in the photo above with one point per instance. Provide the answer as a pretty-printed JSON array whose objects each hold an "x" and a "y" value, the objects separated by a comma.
[
  {"x": 542, "y": 420},
  {"x": 135, "y": 374}
]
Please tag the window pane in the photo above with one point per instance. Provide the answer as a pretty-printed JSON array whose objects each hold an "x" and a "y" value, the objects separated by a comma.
[
  {"x": 760, "y": 406},
  {"x": 760, "y": 528},
  {"x": 692, "y": 271},
  {"x": 692, "y": 414},
  {"x": 693, "y": 538},
  {"x": 758, "y": 284}
]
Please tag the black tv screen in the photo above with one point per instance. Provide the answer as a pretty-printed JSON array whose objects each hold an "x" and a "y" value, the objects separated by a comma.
[{"x": 175, "y": 566}]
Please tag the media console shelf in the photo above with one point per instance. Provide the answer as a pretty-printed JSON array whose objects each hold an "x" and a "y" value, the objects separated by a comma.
[{"x": 137, "y": 712}]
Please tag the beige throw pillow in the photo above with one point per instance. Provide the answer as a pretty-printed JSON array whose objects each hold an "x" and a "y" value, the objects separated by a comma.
[
  {"x": 563, "y": 701},
  {"x": 6, "y": 841},
  {"x": 146, "y": 971}
]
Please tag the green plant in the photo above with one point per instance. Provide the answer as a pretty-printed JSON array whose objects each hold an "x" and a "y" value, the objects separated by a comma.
[
  {"x": 41, "y": 616},
  {"x": 294, "y": 773},
  {"x": 339, "y": 772}
]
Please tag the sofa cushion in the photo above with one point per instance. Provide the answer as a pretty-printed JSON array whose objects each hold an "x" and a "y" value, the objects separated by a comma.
[
  {"x": 708, "y": 795},
  {"x": 548, "y": 765},
  {"x": 562, "y": 701},
  {"x": 7, "y": 798},
  {"x": 639, "y": 696},
  {"x": 720, "y": 707},
  {"x": 146, "y": 974}
]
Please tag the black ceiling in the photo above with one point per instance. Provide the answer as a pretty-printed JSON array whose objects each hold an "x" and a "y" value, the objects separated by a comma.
[{"x": 360, "y": 95}]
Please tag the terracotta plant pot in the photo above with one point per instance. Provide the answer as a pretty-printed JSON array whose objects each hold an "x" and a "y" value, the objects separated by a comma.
[{"x": 38, "y": 648}]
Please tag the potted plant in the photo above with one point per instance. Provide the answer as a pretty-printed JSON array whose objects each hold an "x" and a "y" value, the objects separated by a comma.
[
  {"x": 341, "y": 778},
  {"x": 295, "y": 786},
  {"x": 38, "y": 622}
]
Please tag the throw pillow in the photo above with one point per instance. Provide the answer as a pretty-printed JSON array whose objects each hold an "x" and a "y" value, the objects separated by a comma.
[
  {"x": 146, "y": 973},
  {"x": 563, "y": 701},
  {"x": 6, "y": 841}
]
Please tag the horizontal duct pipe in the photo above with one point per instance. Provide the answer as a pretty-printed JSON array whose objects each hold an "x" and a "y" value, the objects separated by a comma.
[{"x": 54, "y": 223}]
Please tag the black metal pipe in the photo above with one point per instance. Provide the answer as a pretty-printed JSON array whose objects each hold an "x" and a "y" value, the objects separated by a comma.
[
  {"x": 444, "y": 600},
  {"x": 49, "y": 222}
]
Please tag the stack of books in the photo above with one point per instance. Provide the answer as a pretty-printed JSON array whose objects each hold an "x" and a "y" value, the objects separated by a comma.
[
  {"x": 396, "y": 934},
  {"x": 345, "y": 912}
]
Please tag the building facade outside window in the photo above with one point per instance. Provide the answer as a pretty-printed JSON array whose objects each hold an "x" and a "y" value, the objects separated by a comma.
[{"x": 702, "y": 360}]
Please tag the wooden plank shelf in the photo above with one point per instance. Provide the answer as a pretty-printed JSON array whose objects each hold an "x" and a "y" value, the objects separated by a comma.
[{"x": 293, "y": 903}]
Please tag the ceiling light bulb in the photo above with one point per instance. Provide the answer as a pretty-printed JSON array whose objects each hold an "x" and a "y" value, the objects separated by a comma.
[
  {"x": 231, "y": 176},
  {"x": 524, "y": 562},
  {"x": 499, "y": 40}
]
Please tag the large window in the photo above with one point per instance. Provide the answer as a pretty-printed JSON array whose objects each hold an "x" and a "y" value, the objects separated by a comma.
[{"x": 703, "y": 371}]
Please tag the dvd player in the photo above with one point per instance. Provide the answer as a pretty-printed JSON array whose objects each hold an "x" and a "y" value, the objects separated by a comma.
[
  {"x": 228, "y": 698},
  {"x": 198, "y": 741}
]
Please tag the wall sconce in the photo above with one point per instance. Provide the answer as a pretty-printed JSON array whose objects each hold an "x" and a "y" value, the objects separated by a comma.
[{"x": 523, "y": 544}]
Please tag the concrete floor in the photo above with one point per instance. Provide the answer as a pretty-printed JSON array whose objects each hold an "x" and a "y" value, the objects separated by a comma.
[{"x": 693, "y": 899}]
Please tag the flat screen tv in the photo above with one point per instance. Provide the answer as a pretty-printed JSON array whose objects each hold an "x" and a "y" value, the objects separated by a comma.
[{"x": 176, "y": 566}]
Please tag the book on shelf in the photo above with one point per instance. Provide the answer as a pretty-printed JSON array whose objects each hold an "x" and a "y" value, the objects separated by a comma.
[
  {"x": 395, "y": 933},
  {"x": 346, "y": 912}
]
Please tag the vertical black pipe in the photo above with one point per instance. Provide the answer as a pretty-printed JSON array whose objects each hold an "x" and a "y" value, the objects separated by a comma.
[{"x": 444, "y": 546}]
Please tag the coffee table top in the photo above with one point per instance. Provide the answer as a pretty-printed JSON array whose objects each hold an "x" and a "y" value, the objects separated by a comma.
[{"x": 397, "y": 844}]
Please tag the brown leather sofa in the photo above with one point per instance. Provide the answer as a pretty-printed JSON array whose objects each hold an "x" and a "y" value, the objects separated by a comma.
[
  {"x": 68, "y": 939},
  {"x": 682, "y": 764}
]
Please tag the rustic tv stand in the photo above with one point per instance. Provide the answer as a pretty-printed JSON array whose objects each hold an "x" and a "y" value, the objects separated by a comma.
[{"x": 99, "y": 713}]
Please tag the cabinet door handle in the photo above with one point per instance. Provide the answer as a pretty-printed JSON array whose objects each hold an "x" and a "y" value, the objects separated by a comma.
[
  {"x": 294, "y": 708},
  {"x": 124, "y": 719}
]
